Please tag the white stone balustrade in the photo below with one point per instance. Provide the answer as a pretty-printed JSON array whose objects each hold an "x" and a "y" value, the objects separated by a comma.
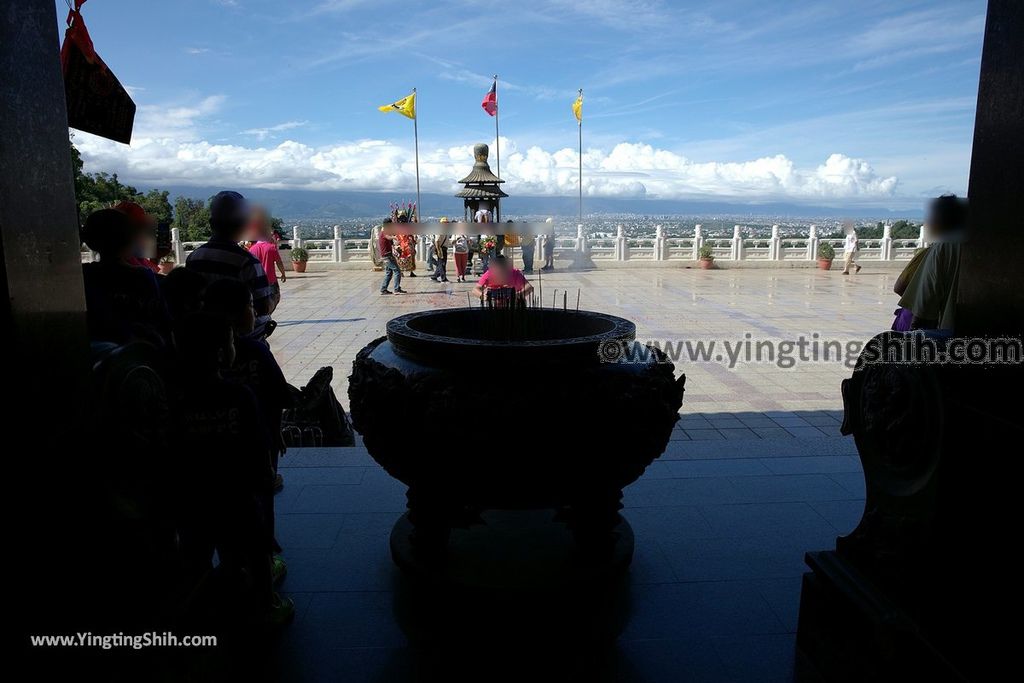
[{"x": 584, "y": 249}]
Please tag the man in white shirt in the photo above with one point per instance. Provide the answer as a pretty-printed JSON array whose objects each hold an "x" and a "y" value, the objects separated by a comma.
[{"x": 850, "y": 247}]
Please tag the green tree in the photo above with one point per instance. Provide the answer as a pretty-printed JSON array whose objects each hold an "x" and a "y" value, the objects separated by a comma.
[
  {"x": 192, "y": 219},
  {"x": 95, "y": 191},
  {"x": 157, "y": 204}
]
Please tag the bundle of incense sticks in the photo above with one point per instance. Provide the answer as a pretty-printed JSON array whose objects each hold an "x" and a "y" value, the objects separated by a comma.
[{"x": 510, "y": 316}]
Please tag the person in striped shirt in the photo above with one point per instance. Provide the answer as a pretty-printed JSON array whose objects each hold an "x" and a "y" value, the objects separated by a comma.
[{"x": 222, "y": 256}]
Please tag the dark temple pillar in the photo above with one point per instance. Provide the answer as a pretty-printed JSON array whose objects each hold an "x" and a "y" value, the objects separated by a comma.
[
  {"x": 922, "y": 589},
  {"x": 991, "y": 295},
  {"x": 45, "y": 359}
]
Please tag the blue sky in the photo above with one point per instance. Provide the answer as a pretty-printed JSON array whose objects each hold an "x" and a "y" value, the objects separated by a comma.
[{"x": 827, "y": 102}]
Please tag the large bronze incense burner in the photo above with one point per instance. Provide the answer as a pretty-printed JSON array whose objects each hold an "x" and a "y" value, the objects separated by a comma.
[{"x": 536, "y": 408}]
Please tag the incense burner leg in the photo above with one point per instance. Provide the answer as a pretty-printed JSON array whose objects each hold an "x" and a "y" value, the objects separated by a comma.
[
  {"x": 593, "y": 520},
  {"x": 431, "y": 516}
]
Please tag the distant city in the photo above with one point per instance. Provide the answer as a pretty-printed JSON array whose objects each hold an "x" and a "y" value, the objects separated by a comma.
[{"x": 641, "y": 226}]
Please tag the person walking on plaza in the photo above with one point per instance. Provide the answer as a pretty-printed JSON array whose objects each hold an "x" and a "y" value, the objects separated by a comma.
[
  {"x": 850, "y": 249},
  {"x": 440, "y": 258},
  {"x": 264, "y": 248},
  {"x": 386, "y": 249},
  {"x": 460, "y": 246}
]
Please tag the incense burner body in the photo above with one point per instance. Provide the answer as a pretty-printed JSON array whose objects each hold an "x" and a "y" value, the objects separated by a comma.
[{"x": 562, "y": 417}]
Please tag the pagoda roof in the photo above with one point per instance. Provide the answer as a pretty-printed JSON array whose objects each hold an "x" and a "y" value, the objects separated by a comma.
[
  {"x": 492, "y": 192},
  {"x": 481, "y": 173}
]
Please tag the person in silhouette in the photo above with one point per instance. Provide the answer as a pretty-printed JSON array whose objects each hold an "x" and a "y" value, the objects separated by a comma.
[
  {"x": 223, "y": 497},
  {"x": 222, "y": 257},
  {"x": 144, "y": 252},
  {"x": 255, "y": 365},
  {"x": 931, "y": 293},
  {"x": 123, "y": 300},
  {"x": 182, "y": 289}
]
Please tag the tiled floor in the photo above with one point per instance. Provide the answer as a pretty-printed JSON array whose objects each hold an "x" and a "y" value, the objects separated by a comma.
[
  {"x": 755, "y": 475},
  {"x": 326, "y": 316},
  {"x": 721, "y": 529}
]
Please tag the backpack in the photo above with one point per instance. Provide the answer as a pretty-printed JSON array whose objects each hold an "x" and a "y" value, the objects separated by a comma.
[{"x": 317, "y": 418}]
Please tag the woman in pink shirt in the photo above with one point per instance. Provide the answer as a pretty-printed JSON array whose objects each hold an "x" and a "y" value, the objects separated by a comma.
[{"x": 501, "y": 275}]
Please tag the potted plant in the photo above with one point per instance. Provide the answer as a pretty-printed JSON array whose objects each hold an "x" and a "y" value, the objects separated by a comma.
[
  {"x": 299, "y": 258},
  {"x": 825, "y": 255},
  {"x": 167, "y": 264},
  {"x": 707, "y": 257}
]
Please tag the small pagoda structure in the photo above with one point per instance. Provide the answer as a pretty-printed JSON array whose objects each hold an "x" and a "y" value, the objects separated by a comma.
[{"x": 481, "y": 189}]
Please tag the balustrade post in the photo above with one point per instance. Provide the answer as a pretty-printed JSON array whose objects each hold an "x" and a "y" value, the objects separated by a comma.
[
  {"x": 736, "y": 252},
  {"x": 698, "y": 240},
  {"x": 659, "y": 243},
  {"x": 620, "y": 244},
  {"x": 922, "y": 238},
  {"x": 775, "y": 246},
  {"x": 339, "y": 245},
  {"x": 887, "y": 250},
  {"x": 296, "y": 237},
  {"x": 812, "y": 244},
  {"x": 177, "y": 248}
]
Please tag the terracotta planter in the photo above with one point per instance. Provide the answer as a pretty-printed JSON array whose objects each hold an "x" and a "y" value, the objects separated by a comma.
[
  {"x": 299, "y": 266},
  {"x": 825, "y": 263},
  {"x": 166, "y": 268},
  {"x": 707, "y": 263}
]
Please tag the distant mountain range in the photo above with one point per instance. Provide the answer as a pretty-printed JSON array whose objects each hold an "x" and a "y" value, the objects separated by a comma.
[{"x": 312, "y": 204}]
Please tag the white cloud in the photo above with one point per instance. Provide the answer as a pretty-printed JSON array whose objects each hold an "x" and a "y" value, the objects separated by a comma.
[
  {"x": 196, "y": 50},
  {"x": 169, "y": 148},
  {"x": 627, "y": 170},
  {"x": 264, "y": 133}
]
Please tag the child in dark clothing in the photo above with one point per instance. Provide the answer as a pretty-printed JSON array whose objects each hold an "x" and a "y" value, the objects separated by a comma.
[
  {"x": 255, "y": 365},
  {"x": 123, "y": 301},
  {"x": 225, "y": 496}
]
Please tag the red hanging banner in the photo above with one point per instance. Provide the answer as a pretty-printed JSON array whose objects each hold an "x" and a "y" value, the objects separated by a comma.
[{"x": 97, "y": 102}]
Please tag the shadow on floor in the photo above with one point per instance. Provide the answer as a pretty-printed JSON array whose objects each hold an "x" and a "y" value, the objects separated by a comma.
[{"x": 722, "y": 521}]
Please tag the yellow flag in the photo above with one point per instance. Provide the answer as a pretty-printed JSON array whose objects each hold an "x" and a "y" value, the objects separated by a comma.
[
  {"x": 577, "y": 108},
  {"x": 405, "y": 106}
]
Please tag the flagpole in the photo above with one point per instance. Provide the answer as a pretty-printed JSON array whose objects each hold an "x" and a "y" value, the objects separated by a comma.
[
  {"x": 580, "y": 125},
  {"x": 497, "y": 140},
  {"x": 416, "y": 144}
]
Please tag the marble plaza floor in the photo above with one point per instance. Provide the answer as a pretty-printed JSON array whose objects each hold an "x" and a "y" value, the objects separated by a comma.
[
  {"x": 326, "y": 316},
  {"x": 756, "y": 474}
]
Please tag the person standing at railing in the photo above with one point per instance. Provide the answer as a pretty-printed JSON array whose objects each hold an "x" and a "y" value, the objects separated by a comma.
[
  {"x": 850, "y": 248},
  {"x": 549, "y": 251}
]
